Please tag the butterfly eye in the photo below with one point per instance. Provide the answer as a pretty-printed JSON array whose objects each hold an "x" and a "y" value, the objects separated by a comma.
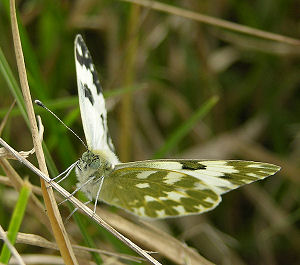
[
  {"x": 85, "y": 155},
  {"x": 95, "y": 164}
]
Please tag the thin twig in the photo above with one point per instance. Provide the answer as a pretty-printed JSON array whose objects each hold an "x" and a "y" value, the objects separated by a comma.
[
  {"x": 11, "y": 247},
  {"x": 87, "y": 211},
  {"x": 6, "y": 181},
  {"x": 214, "y": 21},
  {"x": 36, "y": 240}
]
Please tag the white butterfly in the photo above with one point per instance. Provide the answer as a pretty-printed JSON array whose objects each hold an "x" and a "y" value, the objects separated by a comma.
[{"x": 153, "y": 188}]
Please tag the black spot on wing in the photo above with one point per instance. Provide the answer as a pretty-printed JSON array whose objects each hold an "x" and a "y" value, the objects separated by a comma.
[
  {"x": 227, "y": 176},
  {"x": 88, "y": 94},
  {"x": 191, "y": 165},
  {"x": 235, "y": 180},
  {"x": 96, "y": 81},
  {"x": 84, "y": 59},
  {"x": 109, "y": 142},
  {"x": 82, "y": 54},
  {"x": 108, "y": 139}
]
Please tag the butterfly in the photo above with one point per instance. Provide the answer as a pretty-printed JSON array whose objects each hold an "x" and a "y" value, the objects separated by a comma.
[{"x": 152, "y": 188}]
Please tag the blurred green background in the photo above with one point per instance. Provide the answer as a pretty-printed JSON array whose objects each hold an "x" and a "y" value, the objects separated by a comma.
[{"x": 157, "y": 71}]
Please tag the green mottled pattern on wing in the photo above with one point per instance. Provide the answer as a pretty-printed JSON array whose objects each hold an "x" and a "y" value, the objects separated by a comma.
[
  {"x": 157, "y": 193},
  {"x": 248, "y": 172},
  {"x": 221, "y": 175}
]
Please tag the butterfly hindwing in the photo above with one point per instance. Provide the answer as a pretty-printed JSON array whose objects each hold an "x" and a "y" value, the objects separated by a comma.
[
  {"x": 168, "y": 188},
  {"x": 91, "y": 100},
  {"x": 157, "y": 193}
]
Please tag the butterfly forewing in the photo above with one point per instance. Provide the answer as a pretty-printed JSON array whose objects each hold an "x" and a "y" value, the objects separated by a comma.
[
  {"x": 91, "y": 100},
  {"x": 220, "y": 175},
  {"x": 158, "y": 193}
]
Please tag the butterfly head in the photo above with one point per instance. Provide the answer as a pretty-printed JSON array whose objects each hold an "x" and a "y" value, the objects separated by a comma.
[{"x": 92, "y": 164}]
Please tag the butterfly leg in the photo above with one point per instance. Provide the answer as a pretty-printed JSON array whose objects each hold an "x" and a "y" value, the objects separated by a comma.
[
  {"x": 98, "y": 194},
  {"x": 67, "y": 172},
  {"x": 77, "y": 189},
  {"x": 74, "y": 211}
]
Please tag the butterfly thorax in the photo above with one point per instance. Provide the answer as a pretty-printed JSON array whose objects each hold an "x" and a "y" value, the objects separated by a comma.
[{"x": 92, "y": 165}]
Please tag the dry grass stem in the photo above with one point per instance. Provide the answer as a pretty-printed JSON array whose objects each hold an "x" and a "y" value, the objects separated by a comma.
[
  {"x": 262, "y": 45},
  {"x": 11, "y": 247},
  {"x": 155, "y": 240},
  {"x": 56, "y": 260},
  {"x": 52, "y": 209},
  {"x": 214, "y": 21},
  {"x": 82, "y": 207},
  {"x": 6, "y": 181},
  {"x": 80, "y": 251},
  {"x": 41, "y": 259}
]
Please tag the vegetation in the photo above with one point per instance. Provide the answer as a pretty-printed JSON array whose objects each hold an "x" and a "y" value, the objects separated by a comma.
[{"x": 178, "y": 85}]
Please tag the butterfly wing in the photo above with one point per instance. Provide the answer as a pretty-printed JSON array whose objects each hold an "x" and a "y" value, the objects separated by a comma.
[
  {"x": 91, "y": 100},
  {"x": 169, "y": 188},
  {"x": 157, "y": 193},
  {"x": 220, "y": 175}
]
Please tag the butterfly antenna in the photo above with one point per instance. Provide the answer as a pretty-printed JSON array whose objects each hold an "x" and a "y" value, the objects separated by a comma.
[{"x": 39, "y": 103}]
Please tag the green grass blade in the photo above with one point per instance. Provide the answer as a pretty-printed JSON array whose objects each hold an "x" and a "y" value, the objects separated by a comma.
[
  {"x": 122, "y": 90},
  {"x": 50, "y": 163},
  {"x": 185, "y": 127},
  {"x": 12, "y": 84},
  {"x": 15, "y": 222},
  {"x": 87, "y": 239}
]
